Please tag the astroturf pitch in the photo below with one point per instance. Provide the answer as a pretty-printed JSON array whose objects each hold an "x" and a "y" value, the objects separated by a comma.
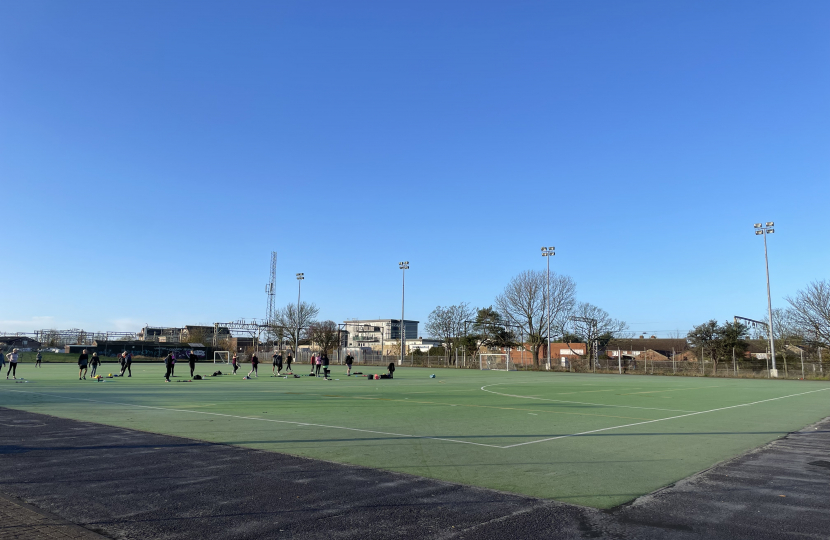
[{"x": 594, "y": 440}]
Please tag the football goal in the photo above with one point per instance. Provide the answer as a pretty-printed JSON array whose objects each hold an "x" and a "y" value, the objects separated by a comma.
[
  {"x": 221, "y": 357},
  {"x": 497, "y": 362}
]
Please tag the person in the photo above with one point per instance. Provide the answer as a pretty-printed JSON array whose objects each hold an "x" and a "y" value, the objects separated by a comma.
[
  {"x": 12, "y": 358},
  {"x": 288, "y": 360},
  {"x": 173, "y": 365},
  {"x": 325, "y": 362},
  {"x": 122, "y": 359},
  {"x": 254, "y": 364},
  {"x": 277, "y": 363},
  {"x": 168, "y": 365},
  {"x": 83, "y": 360},
  {"x": 349, "y": 362},
  {"x": 317, "y": 364},
  {"x": 391, "y": 369},
  {"x": 126, "y": 364},
  {"x": 313, "y": 363},
  {"x": 94, "y": 363},
  {"x": 192, "y": 361},
  {"x": 235, "y": 363},
  {"x": 38, "y": 359}
]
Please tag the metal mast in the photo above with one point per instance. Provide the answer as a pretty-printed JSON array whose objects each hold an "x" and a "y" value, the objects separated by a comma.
[{"x": 270, "y": 289}]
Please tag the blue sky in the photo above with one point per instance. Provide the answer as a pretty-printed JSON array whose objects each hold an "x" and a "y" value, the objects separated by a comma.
[{"x": 153, "y": 154}]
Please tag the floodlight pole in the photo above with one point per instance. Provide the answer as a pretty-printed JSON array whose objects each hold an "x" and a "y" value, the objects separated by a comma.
[
  {"x": 404, "y": 266},
  {"x": 764, "y": 230},
  {"x": 300, "y": 278},
  {"x": 547, "y": 253}
]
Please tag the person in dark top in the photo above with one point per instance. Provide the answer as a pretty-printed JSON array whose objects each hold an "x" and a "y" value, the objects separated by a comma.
[
  {"x": 254, "y": 364},
  {"x": 391, "y": 369},
  {"x": 94, "y": 362},
  {"x": 325, "y": 362},
  {"x": 168, "y": 365},
  {"x": 83, "y": 361},
  {"x": 235, "y": 363},
  {"x": 122, "y": 359},
  {"x": 173, "y": 364},
  {"x": 192, "y": 361},
  {"x": 127, "y": 364},
  {"x": 349, "y": 362},
  {"x": 277, "y": 363},
  {"x": 288, "y": 360},
  {"x": 38, "y": 359}
]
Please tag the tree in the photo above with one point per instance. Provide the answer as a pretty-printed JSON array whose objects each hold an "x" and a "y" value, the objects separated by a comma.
[
  {"x": 296, "y": 323},
  {"x": 719, "y": 340},
  {"x": 595, "y": 327},
  {"x": 325, "y": 335},
  {"x": 524, "y": 302},
  {"x": 489, "y": 326},
  {"x": 447, "y": 323},
  {"x": 785, "y": 331},
  {"x": 811, "y": 311}
]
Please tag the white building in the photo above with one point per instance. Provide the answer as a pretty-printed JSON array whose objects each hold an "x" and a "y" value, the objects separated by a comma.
[{"x": 378, "y": 334}]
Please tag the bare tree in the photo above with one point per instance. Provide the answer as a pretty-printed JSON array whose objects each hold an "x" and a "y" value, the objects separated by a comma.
[
  {"x": 594, "y": 326},
  {"x": 811, "y": 311},
  {"x": 524, "y": 303},
  {"x": 296, "y": 323},
  {"x": 447, "y": 323},
  {"x": 325, "y": 335}
]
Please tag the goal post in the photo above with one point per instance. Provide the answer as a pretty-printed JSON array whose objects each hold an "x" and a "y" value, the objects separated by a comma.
[
  {"x": 221, "y": 357},
  {"x": 496, "y": 362}
]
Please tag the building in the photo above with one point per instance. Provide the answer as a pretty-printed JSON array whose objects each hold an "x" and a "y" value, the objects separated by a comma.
[
  {"x": 201, "y": 334},
  {"x": 651, "y": 349},
  {"x": 378, "y": 334},
  {"x": 23, "y": 343}
]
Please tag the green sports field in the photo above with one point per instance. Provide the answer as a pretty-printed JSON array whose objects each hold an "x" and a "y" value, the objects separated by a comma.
[{"x": 595, "y": 440}]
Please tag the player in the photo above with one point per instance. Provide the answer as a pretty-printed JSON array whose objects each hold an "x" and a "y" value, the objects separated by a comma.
[
  {"x": 126, "y": 364},
  {"x": 12, "y": 358},
  {"x": 38, "y": 359},
  {"x": 94, "y": 362},
  {"x": 349, "y": 362},
  {"x": 235, "y": 363},
  {"x": 168, "y": 365},
  {"x": 191, "y": 359},
  {"x": 288, "y": 360},
  {"x": 325, "y": 363},
  {"x": 277, "y": 363},
  {"x": 391, "y": 369},
  {"x": 173, "y": 365},
  {"x": 83, "y": 360},
  {"x": 254, "y": 365}
]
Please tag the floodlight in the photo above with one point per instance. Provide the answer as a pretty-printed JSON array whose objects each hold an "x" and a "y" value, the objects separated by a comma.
[
  {"x": 770, "y": 231},
  {"x": 758, "y": 225},
  {"x": 770, "y": 224},
  {"x": 543, "y": 249},
  {"x": 759, "y": 232},
  {"x": 551, "y": 248}
]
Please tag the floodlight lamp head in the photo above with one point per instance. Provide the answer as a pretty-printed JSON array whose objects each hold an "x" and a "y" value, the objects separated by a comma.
[
  {"x": 770, "y": 224},
  {"x": 770, "y": 231},
  {"x": 758, "y": 232},
  {"x": 758, "y": 225},
  {"x": 544, "y": 248},
  {"x": 551, "y": 249}
]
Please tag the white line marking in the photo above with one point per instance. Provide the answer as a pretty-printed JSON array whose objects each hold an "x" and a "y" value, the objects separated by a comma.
[
  {"x": 577, "y": 402},
  {"x": 661, "y": 419},
  {"x": 259, "y": 419}
]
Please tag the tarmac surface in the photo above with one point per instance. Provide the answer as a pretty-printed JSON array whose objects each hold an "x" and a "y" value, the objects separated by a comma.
[{"x": 128, "y": 484}]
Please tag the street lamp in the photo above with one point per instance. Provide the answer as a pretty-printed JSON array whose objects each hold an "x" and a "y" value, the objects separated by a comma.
[
  {"x": 404, "y": 266},
  {"x": 548, "y": 252},
  {"x": 763, "y": 229},
  {"x": 300, "y": 278}
]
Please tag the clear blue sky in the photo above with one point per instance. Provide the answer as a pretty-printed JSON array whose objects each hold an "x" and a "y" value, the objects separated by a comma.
[{"x": 153, "y": 154}]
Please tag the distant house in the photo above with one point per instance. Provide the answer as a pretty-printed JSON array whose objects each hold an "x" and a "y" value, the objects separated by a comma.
[
  {"x": 652, "y": 349},
  {"x": 24, "y": 343}
]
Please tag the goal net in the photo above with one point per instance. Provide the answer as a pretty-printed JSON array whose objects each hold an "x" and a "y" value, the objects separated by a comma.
[
  {"x": 221, "y": 357},
  {"x": 498, "y": 362}
]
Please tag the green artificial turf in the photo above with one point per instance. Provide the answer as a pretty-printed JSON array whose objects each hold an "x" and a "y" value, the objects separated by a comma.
[{"x": 516, "y": 434}]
